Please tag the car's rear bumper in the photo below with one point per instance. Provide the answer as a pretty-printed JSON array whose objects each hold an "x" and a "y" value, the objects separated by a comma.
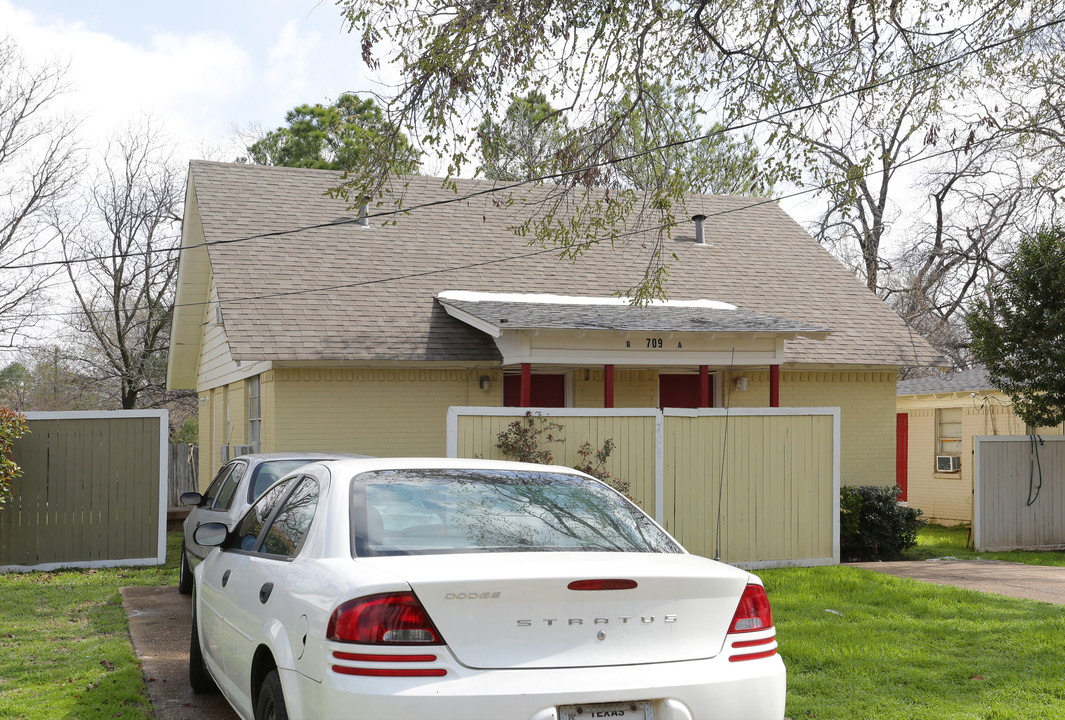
[{"x": 714, "y": 688}]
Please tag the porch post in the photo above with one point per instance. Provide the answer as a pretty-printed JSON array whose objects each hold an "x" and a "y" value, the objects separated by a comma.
[
  {"x": 608, "y": 386},
  {"x": 774, "y": 386},
  {"x": 526, "y": 384},
  {"x": 704, "y": 386}
]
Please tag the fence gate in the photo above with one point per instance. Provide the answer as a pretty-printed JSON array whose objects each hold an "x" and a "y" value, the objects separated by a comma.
[
  {"x": 1018, "y": 492},
  {"x": 93, "y": 491},
  {"x": 774, "y": 472}
]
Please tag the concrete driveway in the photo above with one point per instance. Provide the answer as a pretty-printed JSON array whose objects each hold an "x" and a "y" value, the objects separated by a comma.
[
  {"x": 160, "y": 623},
  {"x": 1030, "y": 582}
]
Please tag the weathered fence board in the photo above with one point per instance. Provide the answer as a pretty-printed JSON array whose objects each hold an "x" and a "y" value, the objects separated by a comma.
[{"x": 92, "y": 493}]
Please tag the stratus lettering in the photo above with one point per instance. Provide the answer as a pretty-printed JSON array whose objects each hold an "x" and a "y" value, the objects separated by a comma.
[{"x": 622, "y": 619}]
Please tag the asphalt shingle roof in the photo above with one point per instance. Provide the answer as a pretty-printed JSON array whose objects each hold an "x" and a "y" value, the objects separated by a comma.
[
  {"x": 974, "y": 380},
  {"x": 533, "y": 316},
  {"x": 312, "y": 284}
]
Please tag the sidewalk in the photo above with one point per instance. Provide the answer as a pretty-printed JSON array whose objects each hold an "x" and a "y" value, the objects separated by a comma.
[{"x": 1030, "y": 582}]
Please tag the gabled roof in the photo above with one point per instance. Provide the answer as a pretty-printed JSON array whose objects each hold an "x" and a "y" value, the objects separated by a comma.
[
  {"x": 299, "y": 279},
  {"x": 974, "y": 380}
]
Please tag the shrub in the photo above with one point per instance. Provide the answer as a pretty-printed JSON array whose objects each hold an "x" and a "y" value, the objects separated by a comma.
[
  {"x": 188, "y": 433},
  {"x": 523, "y": 439},
  {"x": 873, "y": 526},
  {"x": 12, "y": 427}
]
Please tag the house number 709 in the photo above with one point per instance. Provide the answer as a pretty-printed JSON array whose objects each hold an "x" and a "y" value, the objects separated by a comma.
[{"x": 654, "y": 342}]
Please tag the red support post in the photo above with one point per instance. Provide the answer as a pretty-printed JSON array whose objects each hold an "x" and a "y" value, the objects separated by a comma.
[
  {"x": 608, "y": 386},
  {"x": 774, "y": 386},
  {"x": 526, "y": 384},
  {"x": 704, "y": 386}
]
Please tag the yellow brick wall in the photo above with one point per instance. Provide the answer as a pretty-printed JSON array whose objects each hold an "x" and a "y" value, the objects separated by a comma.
[
  {"x": 399, "y": 412},
  {"x": 632, "y": 388},
  {"x": 403, "y": 411},
  {"x": 947, "y": 498}
]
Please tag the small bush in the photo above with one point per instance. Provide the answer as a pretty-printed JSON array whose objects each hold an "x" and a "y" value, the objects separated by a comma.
[
  {"x": 188, "y": 433},
  {"x": 872, "y": 524},
  {"x": 12, "y": 427}
]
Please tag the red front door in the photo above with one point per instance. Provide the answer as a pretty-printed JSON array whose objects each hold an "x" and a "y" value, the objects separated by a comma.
[
  {"x": 902, "y": 452},
  {"x": 678, "y": 391},
  {"x": 547, "y": 391}
]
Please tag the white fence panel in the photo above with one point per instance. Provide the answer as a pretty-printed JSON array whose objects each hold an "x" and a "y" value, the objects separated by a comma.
[{"x": 1019, "y": 492}]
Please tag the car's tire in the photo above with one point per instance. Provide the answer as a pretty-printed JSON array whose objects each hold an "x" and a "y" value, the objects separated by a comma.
[
  {"x": 199, "y": 679},
  {"x": 184, "y": 585},
  {"x": 271, "y": 702}
]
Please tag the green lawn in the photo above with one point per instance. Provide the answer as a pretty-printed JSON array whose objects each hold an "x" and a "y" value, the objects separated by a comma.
[
  {"x": 64, "y": 643},
  {"x": 857, "y": 644}
]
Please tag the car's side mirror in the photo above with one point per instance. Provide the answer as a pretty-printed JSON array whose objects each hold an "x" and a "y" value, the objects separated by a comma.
[
  {"x": 190, "y": 498},
  {"x": 211, "y": 534}
]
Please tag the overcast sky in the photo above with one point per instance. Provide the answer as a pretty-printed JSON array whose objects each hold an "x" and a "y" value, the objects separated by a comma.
[{"x": 199, "y": 68}]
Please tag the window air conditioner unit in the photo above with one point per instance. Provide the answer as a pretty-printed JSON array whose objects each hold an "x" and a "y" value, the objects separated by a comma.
[
  {"x": 948, "y": 463},
  {"x": 244, "y": 450}
]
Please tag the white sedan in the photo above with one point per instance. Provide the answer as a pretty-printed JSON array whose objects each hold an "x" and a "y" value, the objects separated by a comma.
[{"x": 472, "y": 590}]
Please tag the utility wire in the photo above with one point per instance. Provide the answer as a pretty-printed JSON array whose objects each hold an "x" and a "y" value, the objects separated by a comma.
[
  {"x": 564, "y": 174},
  {"x": 466, "y": 266}
]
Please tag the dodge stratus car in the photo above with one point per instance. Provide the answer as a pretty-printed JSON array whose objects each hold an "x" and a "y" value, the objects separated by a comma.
[{"x": 472, "y": 590}]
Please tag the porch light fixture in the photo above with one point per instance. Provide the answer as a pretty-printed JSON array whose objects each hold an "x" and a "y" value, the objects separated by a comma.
[
  {"x": 741, "y": 383},
  {"x": 483, "y": 382}
]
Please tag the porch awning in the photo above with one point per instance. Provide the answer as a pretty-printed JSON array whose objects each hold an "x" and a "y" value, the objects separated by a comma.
[{"x": 570, "y": 330}]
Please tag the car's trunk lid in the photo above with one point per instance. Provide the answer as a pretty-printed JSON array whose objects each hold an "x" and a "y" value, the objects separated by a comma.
[{"x": 515, "y": 610}]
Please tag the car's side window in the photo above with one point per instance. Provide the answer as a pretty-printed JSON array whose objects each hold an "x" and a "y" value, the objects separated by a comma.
[
  {"x": 292, "y": 521},
  {"x": 211, "y": 494},
  {"x": 229, "y": 487},
  {"x": 251, "y": 525}
]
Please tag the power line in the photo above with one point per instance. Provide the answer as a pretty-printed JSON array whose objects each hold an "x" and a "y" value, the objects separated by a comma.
[
  {"x": 544, "y": 251},
  {"x": 564, "y": 174}
]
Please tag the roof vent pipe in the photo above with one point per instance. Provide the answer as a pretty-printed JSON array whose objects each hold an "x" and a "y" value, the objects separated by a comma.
[
  {"x": 700, "y": 239},
  {"x": 364, "y": 218}
]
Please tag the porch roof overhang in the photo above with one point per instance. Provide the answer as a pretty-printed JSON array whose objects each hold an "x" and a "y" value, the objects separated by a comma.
[{"x": 555, "y": 329}]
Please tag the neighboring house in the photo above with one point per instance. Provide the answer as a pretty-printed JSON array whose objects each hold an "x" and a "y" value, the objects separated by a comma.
[
  {"x": 938, "y": 417},
  {"x": 302, "y": 328}
]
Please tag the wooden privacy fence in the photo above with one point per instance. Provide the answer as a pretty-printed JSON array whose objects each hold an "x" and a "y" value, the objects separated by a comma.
[
  {"x": 92, "y": 492},
  {"x": 1018, "y": 492},
  {"x": 775, "y": 470},
  {"x": 183, "y": 462}
]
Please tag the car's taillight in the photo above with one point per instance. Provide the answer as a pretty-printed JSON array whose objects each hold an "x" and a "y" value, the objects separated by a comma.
[
  {"x": 753, "y": 612},
  {"x": 390, "y": 619}
]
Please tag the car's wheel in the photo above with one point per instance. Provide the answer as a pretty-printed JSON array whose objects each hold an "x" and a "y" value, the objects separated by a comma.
[
  {"x": 271, "y": 702},
  {"x": 184, "y": 584},
  {"x": 199, "y": 678}
]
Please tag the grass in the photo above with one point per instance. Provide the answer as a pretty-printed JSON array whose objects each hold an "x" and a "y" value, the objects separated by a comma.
[
  {"x": 937, "y": 541},
  {"x": 65, "y": 650},
  {"x": 857, "y": 644}
]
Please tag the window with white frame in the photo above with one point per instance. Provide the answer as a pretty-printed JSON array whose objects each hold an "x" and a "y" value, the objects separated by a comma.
[
  {"x": 948, "y": 431},
  {"x": 255, "y": 413}
]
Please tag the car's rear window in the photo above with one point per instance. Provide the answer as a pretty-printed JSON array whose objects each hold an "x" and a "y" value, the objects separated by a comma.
[
  {"x": 411, "y": 512},
  {"x": 270, "y": 471}
]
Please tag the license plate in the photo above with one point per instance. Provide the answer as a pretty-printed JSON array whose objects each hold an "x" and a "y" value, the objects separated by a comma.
[{"x": 623, "y": 710}]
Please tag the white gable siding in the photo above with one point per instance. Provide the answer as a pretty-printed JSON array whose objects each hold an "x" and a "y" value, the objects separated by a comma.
[{"x": 217, "y": 366}]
